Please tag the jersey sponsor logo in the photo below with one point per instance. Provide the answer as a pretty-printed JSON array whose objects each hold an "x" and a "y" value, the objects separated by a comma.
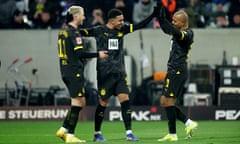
[
  {"x": 78, "y": 40},
  {"x": 113, "y": 44}
]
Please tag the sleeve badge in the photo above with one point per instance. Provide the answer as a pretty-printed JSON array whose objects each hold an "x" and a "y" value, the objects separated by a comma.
[{"x": 78, "y": 40}]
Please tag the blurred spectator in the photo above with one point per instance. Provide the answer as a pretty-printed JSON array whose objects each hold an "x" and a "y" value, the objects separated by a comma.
[
  {"x": 51, "y": 13},
  {"x": 221, "y": 20},
  {"x": 220, "y": 6},
  {"x": 45, "y": 20},
  {"x": 198, "y": 13},
  {"x": 219, "y": 13},
  {"x": 126, "y": 6},
  {"x": 18, "y": 21},
  {"x": 106, "y": 5},
  {"x": 96, "y": 18},
  {"x": 7, "y": 8},
  {"x": 65, "y": 4},
  {"x": 181, "y": 4},
  {"x": 89, "y": 5},
  {"x": 45, "y": 14},
  {"x": 234, "y": 13},
  {"x": 142, "y": 10},
  {"x": 22, "y": 6}
]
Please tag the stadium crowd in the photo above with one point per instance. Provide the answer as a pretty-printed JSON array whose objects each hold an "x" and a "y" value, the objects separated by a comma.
[{"x": 49, "y": 14}]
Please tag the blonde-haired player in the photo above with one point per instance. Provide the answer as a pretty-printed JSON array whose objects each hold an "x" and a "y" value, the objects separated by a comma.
[{"x": 72, "y": 55}]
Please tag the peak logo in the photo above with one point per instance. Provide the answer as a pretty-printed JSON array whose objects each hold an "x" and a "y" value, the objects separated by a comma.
[
  {"x": 227, "y": 114},
  {"x": 136, "y": 115}
]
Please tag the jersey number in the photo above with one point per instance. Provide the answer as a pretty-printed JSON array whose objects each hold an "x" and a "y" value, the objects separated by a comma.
[{"x": 62, "y": 49}]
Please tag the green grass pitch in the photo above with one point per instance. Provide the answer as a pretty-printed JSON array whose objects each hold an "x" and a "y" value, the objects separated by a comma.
[{"x": 209, "y": 132}]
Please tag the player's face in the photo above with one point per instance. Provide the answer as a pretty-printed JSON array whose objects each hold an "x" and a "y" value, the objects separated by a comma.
[
  {"x": 118, "y": 21},
  {"x": 80, "y": 17},
  {"x": 177, "y": 22}
]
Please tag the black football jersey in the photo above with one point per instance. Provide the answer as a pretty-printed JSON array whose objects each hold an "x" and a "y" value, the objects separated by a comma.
[
  {"x": 110, "y": 40},
  {"x": 180, "y": 48},
  {"x": 71, "y": 51}
]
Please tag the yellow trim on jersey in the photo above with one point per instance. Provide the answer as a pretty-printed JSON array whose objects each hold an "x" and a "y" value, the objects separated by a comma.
[
  {"x": 64, "y": 33},
  {"x": 167, "y": 82},
  {"x": 78, "y": 47},
  {"x": 182, "y": 37},
  {"x": 86, "y": 31},
  {"x": 131, "y": 27}
]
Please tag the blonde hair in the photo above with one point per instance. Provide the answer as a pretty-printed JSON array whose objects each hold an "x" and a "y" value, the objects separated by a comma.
[
  {"x": 184, "y": 16},
  {"x": 75, "y": 9}
]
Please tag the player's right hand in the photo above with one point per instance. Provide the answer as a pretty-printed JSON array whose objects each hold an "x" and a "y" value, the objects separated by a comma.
[{"x": 103, "y": 54}]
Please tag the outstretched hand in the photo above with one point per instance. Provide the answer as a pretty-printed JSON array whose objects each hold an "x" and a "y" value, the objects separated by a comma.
[{"x": 162, "y": 17}]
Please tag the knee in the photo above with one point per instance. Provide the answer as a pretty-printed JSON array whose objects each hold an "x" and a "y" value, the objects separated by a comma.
[
  {"x": 81, "y": 102},
  {"x": 123, "y": 97},
  {"x": 103, "y": 103},
  {"x": 166, "y": 102}
]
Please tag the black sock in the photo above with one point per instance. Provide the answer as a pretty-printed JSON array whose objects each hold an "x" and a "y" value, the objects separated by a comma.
[
  {"x": 71, "y": 120},
  {"x": 180, "y": 115},
  {"x": 66, "y": 120},
  {"x": 126, "y": 114},
  {"x": 99, "y": 115},
  {"x": 171, "y": 115}
]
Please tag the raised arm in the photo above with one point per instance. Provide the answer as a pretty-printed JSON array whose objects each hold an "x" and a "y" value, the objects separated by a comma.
[
  {"x": 166, "y": 26},
  {"x": 143, "y": 23}
]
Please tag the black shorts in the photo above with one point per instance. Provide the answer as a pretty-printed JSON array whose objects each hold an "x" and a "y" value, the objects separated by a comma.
[
  {"x": 112, "y": 85},
  {"x": 175, "y": 83},
  {"x": 75, "y": 86}
]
